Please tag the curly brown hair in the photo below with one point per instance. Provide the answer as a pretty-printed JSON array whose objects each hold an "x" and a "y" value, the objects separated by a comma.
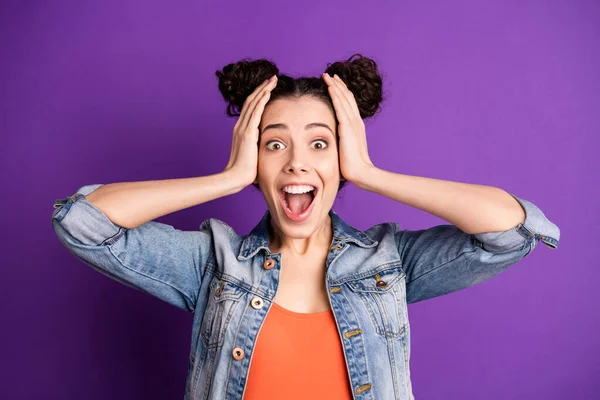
[{"x": 360, "y": 74}]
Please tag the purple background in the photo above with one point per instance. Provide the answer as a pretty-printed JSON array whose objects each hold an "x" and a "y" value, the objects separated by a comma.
[{"x": 498, "y": 93}]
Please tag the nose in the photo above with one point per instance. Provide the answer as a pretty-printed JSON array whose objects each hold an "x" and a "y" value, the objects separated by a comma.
[{"x": 298, "y": 162}]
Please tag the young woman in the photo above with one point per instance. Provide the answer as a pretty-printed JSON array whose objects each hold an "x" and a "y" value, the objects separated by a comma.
[{"x": 305, "y": 305}]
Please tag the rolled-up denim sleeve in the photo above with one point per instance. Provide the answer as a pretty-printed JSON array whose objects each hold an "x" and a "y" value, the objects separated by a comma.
[
  {"x": 155, "y": 258},
  {"x": 444, "y": 259}
]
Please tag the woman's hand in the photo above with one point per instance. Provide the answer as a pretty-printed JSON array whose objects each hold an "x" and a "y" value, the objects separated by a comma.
[
  {"x": 243, "y": 160},
  {"x": 354, "y": 155}
]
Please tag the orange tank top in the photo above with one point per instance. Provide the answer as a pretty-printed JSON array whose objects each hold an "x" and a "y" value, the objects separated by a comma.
[{"x": 298, "y": 356}]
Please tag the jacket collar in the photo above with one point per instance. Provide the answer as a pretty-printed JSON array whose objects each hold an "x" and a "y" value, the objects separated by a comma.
[{"x": 258, "y": 238}]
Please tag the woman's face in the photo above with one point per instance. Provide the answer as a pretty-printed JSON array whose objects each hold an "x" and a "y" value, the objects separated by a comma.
[{"x": 297, "y": 144}]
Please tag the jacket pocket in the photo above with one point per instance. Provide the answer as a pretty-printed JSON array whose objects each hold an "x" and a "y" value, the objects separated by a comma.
[
  {"x": 223, "y": 299},
  {"x": 383, "y": 294}
]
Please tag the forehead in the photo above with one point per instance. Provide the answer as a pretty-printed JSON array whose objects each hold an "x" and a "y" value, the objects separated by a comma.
[{"x": 298, "y": 111}]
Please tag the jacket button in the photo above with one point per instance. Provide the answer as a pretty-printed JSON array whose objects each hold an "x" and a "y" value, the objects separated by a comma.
[
  {"x": 257, "y": 303},
  {"x": 269, "y": 264},
  {"x": 238, "y": 353},
  {"x": 381, "y": 283},
  {"x": 218, "y": 291}
]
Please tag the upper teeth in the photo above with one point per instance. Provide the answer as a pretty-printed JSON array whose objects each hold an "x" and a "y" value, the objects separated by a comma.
[{"x": 296, "y": 189}]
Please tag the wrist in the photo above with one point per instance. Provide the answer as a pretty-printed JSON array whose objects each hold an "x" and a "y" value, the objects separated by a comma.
[
  {"x": 236, "y": 181},
  {"x": 365, "y": 179}
]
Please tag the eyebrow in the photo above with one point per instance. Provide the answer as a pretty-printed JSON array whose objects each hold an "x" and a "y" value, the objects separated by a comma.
[{"x": 307, "y": 127}]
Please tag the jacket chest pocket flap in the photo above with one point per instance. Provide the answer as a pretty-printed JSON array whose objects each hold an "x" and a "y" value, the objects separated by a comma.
[
  {"x": 383, "y": 293},
  {"x": 223, "y": 299}
]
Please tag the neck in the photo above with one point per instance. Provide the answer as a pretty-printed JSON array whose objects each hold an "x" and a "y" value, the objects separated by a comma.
[{"x": 321, "y": 238}]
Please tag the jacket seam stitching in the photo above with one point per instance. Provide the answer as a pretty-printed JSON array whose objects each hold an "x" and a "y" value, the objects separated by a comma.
[{"x": 151, "y": 277}]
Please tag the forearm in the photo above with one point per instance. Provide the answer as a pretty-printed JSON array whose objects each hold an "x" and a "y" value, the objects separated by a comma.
[
  {"x": 130, "y": 204},
  {"x": 472, "y": 208}
]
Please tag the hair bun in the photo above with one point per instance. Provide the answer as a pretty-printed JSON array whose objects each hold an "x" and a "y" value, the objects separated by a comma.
[
  {"x": 238, "y": 80},
  {"x": 362, "y": 77}
]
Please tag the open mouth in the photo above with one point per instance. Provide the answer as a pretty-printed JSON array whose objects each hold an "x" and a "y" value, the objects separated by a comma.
[{"x": 297, "y": 207}]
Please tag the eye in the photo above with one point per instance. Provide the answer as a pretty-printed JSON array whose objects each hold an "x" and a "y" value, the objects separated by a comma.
[
  {"x": 271, "y": 145},
  {"x": 274, "y": 142},
  {"x": 322, "y": 141}
]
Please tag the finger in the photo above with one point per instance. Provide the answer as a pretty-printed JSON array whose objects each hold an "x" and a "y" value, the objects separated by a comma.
[
  {"x": 338, "y": 103},
  {"x": 332, "y": 88},
  {"x": 247, "y": 102},
  {"x": 348, "y": 95},
  {"x": 344, "y": 110},
  {"x": 341, "y": 91},
  {"x": 258, "y": 112},
  {"x": 258, "y": 91},
  {"x": 251, "y": 105}
]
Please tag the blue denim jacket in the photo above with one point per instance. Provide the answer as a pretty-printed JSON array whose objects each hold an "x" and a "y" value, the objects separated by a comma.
[{"x": 229, "y": 282}]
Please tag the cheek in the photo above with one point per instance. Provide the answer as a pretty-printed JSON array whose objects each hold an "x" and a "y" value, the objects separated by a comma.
[
  {"x": 330, "y": 168},
  {"x": 264, "y": 161},
  {"x": 261, "y": 161},
  {"x": 268, "y": 166}
]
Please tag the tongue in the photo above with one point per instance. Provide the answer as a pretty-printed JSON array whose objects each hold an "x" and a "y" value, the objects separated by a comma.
[{"x": 298, "y": 202}]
